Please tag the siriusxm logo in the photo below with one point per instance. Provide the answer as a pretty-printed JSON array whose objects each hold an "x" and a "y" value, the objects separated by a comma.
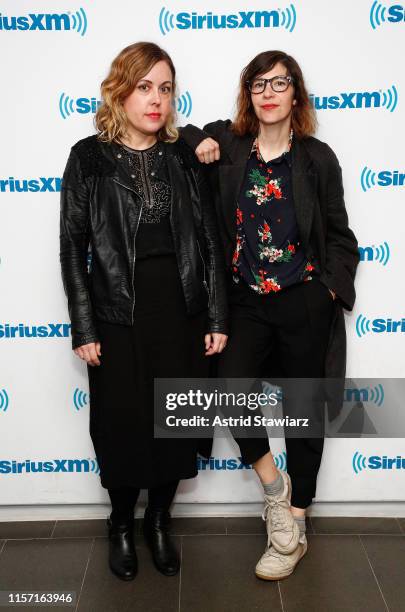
[
  {"x": 380, "y": 14},
  {"x": 236, "y": 464},
  {"x": 277, "y": 18},
  {"x": 4, "y": 401},
  {"x": 383, "y": 178},
  {"x": 380, "y": 253},
  {"x": 377, "y": 462},
  {"x": 360, "y": 99},
  {"x": 374, "y": 395},
  {"x": 83, "y": 106},
  {"x": 12, "y": 466},
  {"x": 37, "y": 185},
  {"x": 46, "y": 21},
  {"x": 378, "y": 326},
  {"x": 79, "y": 399},
  {"x": 50, "y": 330}
]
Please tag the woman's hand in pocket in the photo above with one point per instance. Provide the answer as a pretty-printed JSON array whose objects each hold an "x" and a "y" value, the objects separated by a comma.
[{"x": 90, "y": 353}]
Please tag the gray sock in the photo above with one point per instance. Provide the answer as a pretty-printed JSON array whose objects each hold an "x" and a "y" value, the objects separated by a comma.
[
  {"x": 275, "y": 487},
  {"x": 301, "y": 525}
]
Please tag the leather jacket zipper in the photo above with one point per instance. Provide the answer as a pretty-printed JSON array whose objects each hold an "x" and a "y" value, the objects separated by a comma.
[
  {"x": 133, "y": 266},
  {"x": 133, "y": 261},
  {"x": 203, "y": 263}
]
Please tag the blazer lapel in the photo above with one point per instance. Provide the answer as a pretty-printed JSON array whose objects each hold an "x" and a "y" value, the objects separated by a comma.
[
  {"x": 304, "y": 188},
  {"x": 230, "y": 177}
]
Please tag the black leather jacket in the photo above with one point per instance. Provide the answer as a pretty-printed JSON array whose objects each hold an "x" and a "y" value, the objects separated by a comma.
[{"x": 100, "y": 207}]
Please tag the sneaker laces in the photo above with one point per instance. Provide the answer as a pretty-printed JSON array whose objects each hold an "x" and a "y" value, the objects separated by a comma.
[{"x": 277, "y": 520}]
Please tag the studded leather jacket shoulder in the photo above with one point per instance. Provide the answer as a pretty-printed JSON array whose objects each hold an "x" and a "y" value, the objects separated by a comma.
[{"x": 101, "y": 207}]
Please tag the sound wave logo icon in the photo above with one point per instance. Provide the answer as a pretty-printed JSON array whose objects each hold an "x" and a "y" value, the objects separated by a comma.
[
  {"x": 390, "y": 98},
  {"x": 376, "y": 395},
  {"x": 79, "y": 21},
  {"x": 66, "y": 105},
  {"x": 184, "y": 104},
  {"x": 377, "y": 14},
  {"x": 3, "y": 400},
  {"x": 166, "y": 21},
  {"x": 288, "y": 18},
  {"x": 380, "y": 253},
  {"x": 281, "y": 461},
  {"x": 359, "y": 462},
  {"x": 367, "y": 178},
  {"x": 94, "y": 467},
  {"x": 362, "y": 325},
  {"x": 79, "y": 399}
]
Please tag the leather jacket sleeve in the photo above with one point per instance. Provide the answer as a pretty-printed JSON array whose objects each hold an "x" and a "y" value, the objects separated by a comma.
[
  {"x": 193, "y": 135},
  {"x": 74, "y": 241},
  {"x": 218, "y": 307}
]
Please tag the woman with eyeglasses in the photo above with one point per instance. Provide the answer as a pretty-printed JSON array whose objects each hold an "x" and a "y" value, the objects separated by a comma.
[
  {"x": 153, "y": 303},
  {"x": 291, "y": 260}
]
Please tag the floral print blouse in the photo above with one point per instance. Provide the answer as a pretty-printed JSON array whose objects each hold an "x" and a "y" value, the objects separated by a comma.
[{"x": 268, "y": 254}]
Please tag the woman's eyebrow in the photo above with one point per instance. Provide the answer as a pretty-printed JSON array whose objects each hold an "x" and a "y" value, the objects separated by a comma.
[{"x": 151, "y": 82}]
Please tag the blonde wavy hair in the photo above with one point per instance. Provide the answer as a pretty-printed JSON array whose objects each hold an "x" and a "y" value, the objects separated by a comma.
[{"x": 129, "y": 67}]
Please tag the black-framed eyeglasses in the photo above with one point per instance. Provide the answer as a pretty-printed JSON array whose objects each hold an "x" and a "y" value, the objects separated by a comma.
[{"x": 277, "y": 83}]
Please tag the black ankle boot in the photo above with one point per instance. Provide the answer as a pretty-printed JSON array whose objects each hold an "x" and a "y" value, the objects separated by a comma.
[
  {"x": 122, "y": 555},
  {"x": 164, "y": 554}
]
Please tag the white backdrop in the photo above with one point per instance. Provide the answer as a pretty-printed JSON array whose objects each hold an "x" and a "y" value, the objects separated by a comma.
[{"x": 51, "y": 70}]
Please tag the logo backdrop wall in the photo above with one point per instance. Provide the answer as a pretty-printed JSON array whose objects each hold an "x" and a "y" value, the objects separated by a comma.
[{"x": 56, "y": 54}]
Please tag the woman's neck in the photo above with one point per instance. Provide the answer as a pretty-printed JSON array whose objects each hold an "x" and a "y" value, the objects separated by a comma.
[
  {"x": 139, "y": 141},
  {"x": 274, "y": 139}
]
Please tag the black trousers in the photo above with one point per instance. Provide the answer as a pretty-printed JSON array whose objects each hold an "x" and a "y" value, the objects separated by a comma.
[
  {"x": 290, "y": 328},
  {"x": 123, "y": 500}
]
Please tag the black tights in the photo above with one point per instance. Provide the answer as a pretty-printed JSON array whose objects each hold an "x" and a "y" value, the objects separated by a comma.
[{"x": 123, "y": 499}]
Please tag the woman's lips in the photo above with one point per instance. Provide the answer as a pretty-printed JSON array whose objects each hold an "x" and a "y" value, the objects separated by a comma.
[
  {"x": 269, "y": 106},
  {"x": 153, "y": 115}
]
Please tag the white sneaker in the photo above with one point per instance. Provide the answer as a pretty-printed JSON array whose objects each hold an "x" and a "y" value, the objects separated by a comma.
[
  {"x": 282, "y": 530},
  {"x": 275, "y": 566}
]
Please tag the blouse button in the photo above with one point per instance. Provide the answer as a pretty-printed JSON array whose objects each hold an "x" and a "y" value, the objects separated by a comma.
[
  {"x": 152, "y": 174},
  {"x": 119, "y": 155},
  {"x": 160, "y": 152},
  {"x": 132, "y": 175}
]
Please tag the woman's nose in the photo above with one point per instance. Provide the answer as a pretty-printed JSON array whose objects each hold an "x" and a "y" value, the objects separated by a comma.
[
  {"x": 156, "y": 96},
  {"x": 268, "y": 92}
]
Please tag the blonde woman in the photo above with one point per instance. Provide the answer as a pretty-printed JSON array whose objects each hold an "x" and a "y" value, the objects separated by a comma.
[{"x": 152, "y": 303}]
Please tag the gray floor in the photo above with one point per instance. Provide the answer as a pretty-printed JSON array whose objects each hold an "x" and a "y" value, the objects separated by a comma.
[{"x": 352, "y": 564}]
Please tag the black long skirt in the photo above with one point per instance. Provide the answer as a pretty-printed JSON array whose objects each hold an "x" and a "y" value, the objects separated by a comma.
[{"x": 163, "y": 342}]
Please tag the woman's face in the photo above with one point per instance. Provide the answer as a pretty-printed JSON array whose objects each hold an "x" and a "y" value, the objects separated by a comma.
[
  {"x": 273, "y": 107},
  {"x": 148, "y": 107}
]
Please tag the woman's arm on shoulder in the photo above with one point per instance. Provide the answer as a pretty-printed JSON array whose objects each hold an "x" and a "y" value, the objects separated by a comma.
[{"x": 206, "y": 143}]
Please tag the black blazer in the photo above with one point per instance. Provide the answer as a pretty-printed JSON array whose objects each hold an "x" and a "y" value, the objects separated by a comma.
[{"x": 320, "y": 212}]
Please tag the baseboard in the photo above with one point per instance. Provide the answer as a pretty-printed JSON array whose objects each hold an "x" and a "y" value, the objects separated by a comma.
[{"x": 98, "y": 511}]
